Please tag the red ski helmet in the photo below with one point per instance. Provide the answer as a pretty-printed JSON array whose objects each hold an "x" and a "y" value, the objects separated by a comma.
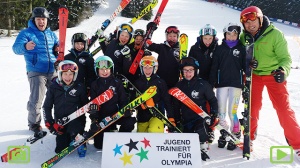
[{"x": 251, "y": 12}]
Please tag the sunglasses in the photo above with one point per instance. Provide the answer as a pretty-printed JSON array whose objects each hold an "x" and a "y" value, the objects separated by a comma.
[
  {"x": 104, "y": 64},
  {"x": 172, "y": 29},
  {"x": 236, "y": 29},
  {"x": 147, "y": 63},
  {"x": 69, "y": 67},
  {"x": 248, "y": 16},
  {"x": 188, "y": 70},
  {"x": 127, "y": 28}
]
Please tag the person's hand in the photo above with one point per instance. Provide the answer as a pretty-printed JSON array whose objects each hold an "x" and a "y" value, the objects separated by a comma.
[
  {"x": 152, "y": 26},
  {"x": 30, "y": 45},
  {"x": 54, "y": 128},
  {"x": 278, "y": 75},
  {"x": 94, "y": 108},
  {"x": 214, "y": 120},
  {"x": 56, "y": 64},
  {"x": 253, "y": 64}
]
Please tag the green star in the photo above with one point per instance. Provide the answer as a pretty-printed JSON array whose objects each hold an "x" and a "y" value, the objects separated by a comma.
[{"x": 142, "y": 154}]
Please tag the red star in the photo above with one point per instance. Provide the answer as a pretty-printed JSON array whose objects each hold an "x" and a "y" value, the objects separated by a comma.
[{"x": 146, "y": 142}]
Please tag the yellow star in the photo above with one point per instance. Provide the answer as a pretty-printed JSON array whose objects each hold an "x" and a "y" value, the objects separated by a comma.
[{"x": 126, "y": 159}]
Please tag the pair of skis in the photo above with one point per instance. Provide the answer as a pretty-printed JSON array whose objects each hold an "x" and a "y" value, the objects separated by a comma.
[
  {"x": 138, "y": 57},
  {"x": 146, "y": 10},
  {"x": 107, "y": 121}
]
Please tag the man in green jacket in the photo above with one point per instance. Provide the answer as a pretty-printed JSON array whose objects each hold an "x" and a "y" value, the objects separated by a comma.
[{"x": 271, "y": 67}]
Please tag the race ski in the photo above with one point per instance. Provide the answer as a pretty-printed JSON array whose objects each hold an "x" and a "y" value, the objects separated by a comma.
[
  {"x": 146, "y": 10},
  {"x": 247, "y": 96},
  {"x": 107, "y": 121},
  {"x": 182, "y": 97},
  {"x": 183, "y": 45},
  {"x": 138, "y": 57},
  {"x": 63, "y": 14},
  {"x": 107, "y": 22},
  {"x": 102, "y": 98},
  {"x": 31, "y": 140},
  {"x": 155, "y": 111}
]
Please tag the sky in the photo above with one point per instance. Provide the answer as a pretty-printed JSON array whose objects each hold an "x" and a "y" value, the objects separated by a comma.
[{"x": 189, "y": 17}]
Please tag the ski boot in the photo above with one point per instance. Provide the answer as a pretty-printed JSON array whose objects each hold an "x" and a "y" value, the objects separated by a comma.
[
  {"x": 211, "y": 137},
  {"x": 204, "y": 146},
  {"x": 237, "y": 134},
  {"x": 222, "y": 142},
  {"x": 231, "y": 146},
  {"x": 81, "y": 150}
]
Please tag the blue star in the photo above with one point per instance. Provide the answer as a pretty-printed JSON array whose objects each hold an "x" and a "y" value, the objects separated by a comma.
[{"x": 117, "y": 149}]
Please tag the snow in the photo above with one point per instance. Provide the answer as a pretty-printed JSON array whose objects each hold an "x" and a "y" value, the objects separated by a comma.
[{"x": 189, "y": 16}]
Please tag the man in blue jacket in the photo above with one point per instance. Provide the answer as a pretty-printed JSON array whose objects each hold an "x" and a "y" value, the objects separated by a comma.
[{"x": 37, "y": 43}]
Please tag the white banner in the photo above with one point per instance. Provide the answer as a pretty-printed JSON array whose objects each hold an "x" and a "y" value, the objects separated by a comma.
[{"x": 151, "y": 150}]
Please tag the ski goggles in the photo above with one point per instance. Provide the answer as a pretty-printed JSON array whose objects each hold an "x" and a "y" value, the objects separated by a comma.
[
  {"x": 145, "y": 63},
  {"x": 139, "y": 32},
  {"x": 231, "y": 29},
  {"x": 126, "y": 27},
  {"x": 248, "y": 16},
  {"x": 207, "y": 31},
  {"x": 104, "y": 64},
  {"x": 172, "y": 29},
  {"x": 69, "y": 67}
]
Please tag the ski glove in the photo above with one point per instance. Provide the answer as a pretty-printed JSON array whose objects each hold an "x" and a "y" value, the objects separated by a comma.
[
  {"x": 152, "y": 26},
  {"x": 213, "y": 120},
  {"x": 54, "y": 128},
  {"x": 128, "y": 112},
  {"x": 172, "y": 120},
  {"x": 94, "y": 108},
  {"x": 100, "y": 32},
  {"x": 278, "y": 75},
  {"x": 253, "y": 64}
]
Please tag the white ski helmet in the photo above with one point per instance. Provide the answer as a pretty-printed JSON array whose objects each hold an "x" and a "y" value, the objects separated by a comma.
[
  {"x": 67, "y": 65},
  {"x": 232, "y": 27},
  {"x": 208, "y": 29}
]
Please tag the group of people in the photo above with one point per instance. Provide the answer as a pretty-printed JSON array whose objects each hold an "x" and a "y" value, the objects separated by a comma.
[{"x": 79, "y": 78}]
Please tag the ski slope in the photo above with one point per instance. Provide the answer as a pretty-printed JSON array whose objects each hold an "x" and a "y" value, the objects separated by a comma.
[{"x": 189, "y": 16}]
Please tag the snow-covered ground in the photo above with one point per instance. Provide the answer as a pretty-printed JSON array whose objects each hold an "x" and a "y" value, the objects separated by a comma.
[{"x": 189, "y": 16}]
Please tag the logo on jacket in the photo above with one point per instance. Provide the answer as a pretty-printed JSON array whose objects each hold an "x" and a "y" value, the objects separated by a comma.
[
  {"x": 176, "y": 54},
  {"x": 82, "y": 60},
  {"x": 117, "y": 53},
  {"x": 113, "y": 88},
  {"x": 195, "y": 94},
  {"x": 72, "y": 92},
  {"x": 236, "y": 52}
]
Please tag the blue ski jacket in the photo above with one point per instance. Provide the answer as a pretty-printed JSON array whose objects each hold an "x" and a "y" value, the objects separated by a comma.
[{"x": 41, "y": 58}]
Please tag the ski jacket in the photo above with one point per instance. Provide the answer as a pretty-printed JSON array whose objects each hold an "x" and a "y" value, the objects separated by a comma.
[
  {"x": 270, "y": 49},
  {"x": 85, "y": 63},
  {"x": 161, "y": 98},
  {"x": 119, "y": 99},
  {"x": 122, "y": 62},
  {"x": 204, "y": 57},
  {"x": 228, "y": 66},
  {"x": 200, "y": 92},
  {"x": 168, "y": 62},
  {"x": 64, "y": 101},
  {"x": 41, "y": 58}
]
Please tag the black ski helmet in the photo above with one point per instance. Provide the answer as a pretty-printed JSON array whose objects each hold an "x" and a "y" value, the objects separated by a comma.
[
  {"x": 189, "y": 61},
  {"x": 40, "y": 12},
  {"x": 80, "y": 37}
]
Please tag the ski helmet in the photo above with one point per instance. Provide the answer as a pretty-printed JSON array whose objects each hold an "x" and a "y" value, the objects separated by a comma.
[
  {"x": 67, "y": 65},
  {"x": 139, "y": 32},
  {"x": 40, "y": 12},
  {"x": 251, "y": 13},
  {"x": 172, "y": 29},
  {"x": 148, "y": 61},
  {"x": 208, "y": 29},
  {"x": 189, "y": 61},
  {"x": 103, "y": 62},
  {"x": 80, "y": 37},
  {"x": 125, "y": 27},
  {"x": 232, "y": 27}
]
